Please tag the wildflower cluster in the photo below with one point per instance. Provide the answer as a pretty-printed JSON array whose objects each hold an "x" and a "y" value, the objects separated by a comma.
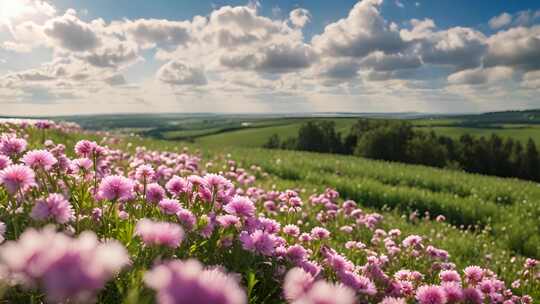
[{"x": 93, "y": 222}]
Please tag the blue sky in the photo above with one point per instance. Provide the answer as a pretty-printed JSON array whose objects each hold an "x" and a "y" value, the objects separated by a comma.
[{"x": 77, "y": 56}]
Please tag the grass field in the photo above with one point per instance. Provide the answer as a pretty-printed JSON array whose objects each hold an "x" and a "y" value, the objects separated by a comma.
[
  {"x": 489, "y": 222},
  {"x": 508, "y": 208},
  {"x": 516, "y": 131}
]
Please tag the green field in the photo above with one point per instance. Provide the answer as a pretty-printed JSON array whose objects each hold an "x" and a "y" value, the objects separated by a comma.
[
  {"x": 478, "y": 220},
  {"x": 516, "y": 131},
  {"x": 486, "y": 216}
]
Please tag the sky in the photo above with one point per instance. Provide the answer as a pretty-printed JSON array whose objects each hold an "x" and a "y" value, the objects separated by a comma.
[{"x": 63, "y": 57}]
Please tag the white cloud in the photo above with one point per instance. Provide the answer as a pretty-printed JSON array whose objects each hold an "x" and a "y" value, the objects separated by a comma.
[
  {"x": 72, "y": 34},
  {"x": 518, "y": 47},
  {"x": 480, "y": 76},
  {"x": 502, "y": 20},
  {"x": 180, "y": 73},
  {"x": 237, "y": 54},
  {"x": 300, "y": 17},
  {"x": 362, "y": 32}
]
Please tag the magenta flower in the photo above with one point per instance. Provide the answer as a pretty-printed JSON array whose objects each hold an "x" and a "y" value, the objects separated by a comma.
[
  {"x": 473, "y": 296},
  {"x": 154, "y": 193},
  {"x": 325, "y": 293},
  {"x": 178, "y": 186},
  {"x": 227, "y": 220},
  {"x": 4, "y": 162},
  {"x": 259, "y": 241},
  {"x": 17, "y": 177},
  {"x": 55, "y": 206},
  {"x": 85, "y": 148},
  {"x": 392, "y": 300},
  {"x": 178, "y": 282},
  {"x": 291, "y": 230},
  {"x": 296, "y": 284},
  {"x": 430, "y": 294},
  {"x": 39, "y": 159},
  {"x": 240, "y": 206},
  {"x": 11, "y": 145},
  {"x": 145, "y": 173},
  {"x": 473, "y": 274},
  {"x": 116, "y": 187},
  {"x": 159, "y": 233},
  {"x": 69, "y": 270},
  {"x": 186, "y": 218},
  {"x": 320, "y": 233},
  {"x": 216, "y": 181},
  {"x": 169, "y": 206},
  {"x": 453, "y": 292}
]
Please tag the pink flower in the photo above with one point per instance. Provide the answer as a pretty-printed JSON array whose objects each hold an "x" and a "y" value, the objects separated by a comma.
[
  {"x": 4, "y": 162},
  {"x": 169, "y": 206},
  {"x": 291, "y": 230},
  {"x": 159, "y": 233},
  {"x": 412, "y": 241},
  {"x": 178, "y": 186},
  {"x": 430, "y": 294},
  {"x": 154, "y": 193},
  {"x": 240, "y": 206},
  {"x": 145, "y": 173},
  {"x": 473, "y": 296},
  {"x": 186, "y": 218},
  {"x": 216, "y": 181},
  {"x": 85, "y": 148},
  {"x": 296, "y": 253},
  {"x": 473, "y": 274},
  {"x": 69, "y": 270},
  {"x": 453, "y": 291},
  {"x": 39, "y": 159},
  {"x": 116, "y": 187},
  {"x": 54, "y": 206},
  {"x": 320, "y": 233},
  {"x": 178, "y": 282},
  {"x": 17, "y": 177},
  {"x": 391, "y": 300},
  {"x": 227, "y": 220},
  {"x": 449, "y": 276},
  {"x": 259, "y": 241},
  {"x": 11, "y": 145},
  {"x": 325, "y": 293},
  {"x": 296, "y": 284}
]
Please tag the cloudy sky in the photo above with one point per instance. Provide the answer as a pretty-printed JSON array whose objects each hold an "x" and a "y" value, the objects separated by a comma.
[{"x": 79, "y": 57}]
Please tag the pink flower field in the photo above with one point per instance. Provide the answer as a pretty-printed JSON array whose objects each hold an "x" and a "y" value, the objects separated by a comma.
[{"x": 94, "y": 223}]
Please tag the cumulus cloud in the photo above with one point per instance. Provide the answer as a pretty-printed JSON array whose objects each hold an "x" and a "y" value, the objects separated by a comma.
[
  {"x": 180, "y": 73},
  {"x": 161, "y": 33},
  {"x": 480, "y": 76},
  {"x": 379, "y": 61},
  {"x": 459, "y": 47},
  {"x": 531, "y": 80},
  {"x": 72, "y": 34},
  {"x": 518, "y": 47},
  {"x": 362, "y": 32},
  {"x": 115, "y": 80},
  {"x": 502, "y": 20},
  {"x": 112, "y": 56},
  {"x": 248, "y": 56},
  {"x": 300, "y": 17}
]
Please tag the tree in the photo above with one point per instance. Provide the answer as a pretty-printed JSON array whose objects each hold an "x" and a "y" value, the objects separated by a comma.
[{"x": 273, "y": 142}]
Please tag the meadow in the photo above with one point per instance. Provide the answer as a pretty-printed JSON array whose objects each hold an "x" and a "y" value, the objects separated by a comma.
[
  {"x": 281, "y": 226},
  {"x": 255, "y": 130}
]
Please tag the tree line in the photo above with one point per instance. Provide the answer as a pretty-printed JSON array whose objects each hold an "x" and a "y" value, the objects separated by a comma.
[{"x": 394, "y": 140}]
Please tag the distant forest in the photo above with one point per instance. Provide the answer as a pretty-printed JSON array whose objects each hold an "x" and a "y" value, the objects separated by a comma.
[{"x": 394, "y": 140}]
